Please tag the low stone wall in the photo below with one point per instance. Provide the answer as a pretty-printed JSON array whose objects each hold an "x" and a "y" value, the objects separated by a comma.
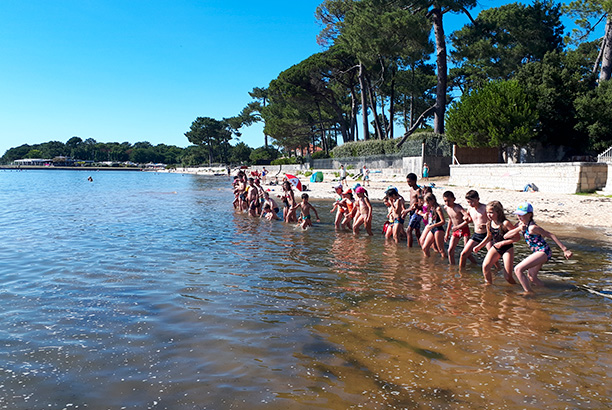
[
  {"x": 387, "y": 165},
  {"x": 560, "y": 177}
]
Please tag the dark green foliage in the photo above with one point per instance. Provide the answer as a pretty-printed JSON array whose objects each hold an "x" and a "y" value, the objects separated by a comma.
[
  {"x": 435, "y": 144},
  {"x": 263, "y": 155},
  {"x": 504, "y": 38},
  {"x": 595, "y": 117},
  {"x": 286, "y": 161},
  {"x": 320, "y": 155},
  {"x": 499, "y": 114}
]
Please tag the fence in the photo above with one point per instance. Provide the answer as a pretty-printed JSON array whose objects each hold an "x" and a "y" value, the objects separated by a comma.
[{"x": 605, "y": 156}]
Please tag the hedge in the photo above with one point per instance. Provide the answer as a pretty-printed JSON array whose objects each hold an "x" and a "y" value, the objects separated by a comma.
[{"x": 435, "y": 145}]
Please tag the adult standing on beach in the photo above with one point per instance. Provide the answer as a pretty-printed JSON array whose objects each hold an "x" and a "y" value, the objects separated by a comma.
[
  {"x": 425, "y": 171},
  {"x": 343, "y": 175}
]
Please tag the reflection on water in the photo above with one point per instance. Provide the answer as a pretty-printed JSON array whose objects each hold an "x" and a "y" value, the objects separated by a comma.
[{"x": 144, "y": 290}]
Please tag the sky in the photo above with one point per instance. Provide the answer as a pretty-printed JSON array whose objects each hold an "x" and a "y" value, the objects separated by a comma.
[{"x": 143, "y": 70}]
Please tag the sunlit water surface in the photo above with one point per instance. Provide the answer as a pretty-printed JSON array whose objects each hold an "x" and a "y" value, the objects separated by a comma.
[{"x": 144, "y": 290}]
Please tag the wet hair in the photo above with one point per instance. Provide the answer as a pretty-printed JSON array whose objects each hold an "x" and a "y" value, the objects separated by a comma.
[
  {"x": 448, "y": 194},
  {"x": 267, "y": 207},
  {"x": 251, "y": 181},
  {"x": 411, "y": 176},
  {"x": 287, "y": 184},
  {"x": 391, "y": 193},
  {"x": 498, "y": 209},
  {"x": 428, "y": 190},
  {"x": 304, "y": 196},
  {"x": 471, "y": 194}
]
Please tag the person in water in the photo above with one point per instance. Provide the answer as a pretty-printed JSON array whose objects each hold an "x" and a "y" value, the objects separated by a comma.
[
  {"x": 477, "y": 214},
  {"x": 501, "y": 247},
  {"x": 305, "y": 206},
  {"x": 534, "y": 237},
  {"x": 457, "y": 226}
]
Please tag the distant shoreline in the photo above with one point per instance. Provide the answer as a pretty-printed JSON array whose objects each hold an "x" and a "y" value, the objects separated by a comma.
[{"x": 43, "y": 168}]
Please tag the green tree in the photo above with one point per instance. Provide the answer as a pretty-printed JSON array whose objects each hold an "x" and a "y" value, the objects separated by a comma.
[
  {"x": 502, "y": 39},
  {"x": 264, "y": 155},
  {"x": 586, "y": 12},
  {"x": 212, "y": 134},
  {"x": 34, "y": 153},
  {"x": 554, "y": 83},
  {"x": 594, "y": 111},
  {"x": 500, "y": 114},
  {"x": 240, "y": 153}
]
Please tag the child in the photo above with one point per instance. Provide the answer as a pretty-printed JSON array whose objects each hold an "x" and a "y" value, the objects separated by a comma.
[
  {"x": 477, "y": 214},
  {"x": 534, "y": 237},
  {"x": 339, "y": 206},
  {"x": 457, "y": 227},
  {"x": 501, "y": 247},
  {"x": 289, "y": 202},
  {"x": 387, "y": 230},
  {"x": 366, "y": 176},
  {"x": 365, "y": 212},
  {"x": 306, "y": 207},
  {"x": 268, "y": 213},
  {"x": 414, "y": 193},
  {"x": 435, "y": 225},
  {"x": 397, "y": 206},
  {"x": 270, "y": 201},
  {"x": 349, "y": 201}
]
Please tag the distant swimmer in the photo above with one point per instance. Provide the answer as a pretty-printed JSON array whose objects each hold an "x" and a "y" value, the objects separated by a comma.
[{"x": 90, "y": 179}]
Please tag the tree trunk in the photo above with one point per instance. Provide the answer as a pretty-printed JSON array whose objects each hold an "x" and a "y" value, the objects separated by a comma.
[
  {"x": 373, "y": 104},
  {"x": 606, "y": 58},
  {"x": 391, "y": 110},
  {"x": 364, "y": 102},
  {"x": 354, "y": 108},
  {"x": 442, "y": 71}
]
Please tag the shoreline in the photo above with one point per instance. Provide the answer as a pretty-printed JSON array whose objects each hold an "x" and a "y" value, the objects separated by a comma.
[{"x": 576, "y": 210}]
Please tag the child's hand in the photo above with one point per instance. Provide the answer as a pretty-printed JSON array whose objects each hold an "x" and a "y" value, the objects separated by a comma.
[
  {"x": 477, "y": 248},
  {"x": 446, "y": 237},
  {"x": 567, "y": 253},
  {"x": 318, "y": 220}
]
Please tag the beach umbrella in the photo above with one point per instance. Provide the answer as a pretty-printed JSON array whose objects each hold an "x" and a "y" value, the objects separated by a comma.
[{"x": 295, "y": 181}]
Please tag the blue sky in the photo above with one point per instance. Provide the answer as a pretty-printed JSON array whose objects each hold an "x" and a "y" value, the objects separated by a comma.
[{"x": 143, "y": 70}]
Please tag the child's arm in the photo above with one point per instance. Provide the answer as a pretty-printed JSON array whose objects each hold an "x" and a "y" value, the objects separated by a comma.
[
  {"x": 449, "y": 229},
  {"x": 316, "y": 213},
  {"x": 508, "y": 240},
  {"x": 369, "y": 210},
  {"x": 538, "y": 230}
]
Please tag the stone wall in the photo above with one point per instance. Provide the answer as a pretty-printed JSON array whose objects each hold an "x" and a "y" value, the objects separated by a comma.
[
  {"x": 388, "y": 165},
  {"x": 560, "y": 177}
]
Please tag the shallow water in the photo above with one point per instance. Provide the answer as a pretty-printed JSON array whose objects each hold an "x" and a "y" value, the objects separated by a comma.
[{"x": 145, "y": 290}]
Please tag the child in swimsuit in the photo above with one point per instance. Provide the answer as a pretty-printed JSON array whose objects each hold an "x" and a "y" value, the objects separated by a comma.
[
  {"x": 457, "y": 226},
  {"x": 306, "y": 207},
  {"x": 398, "y": 208},
  {"x": 477, "y": 214},
  {"x": 501, "y": 247},
  {"x": 534, "y": 237},
  {"x": 436, "y": 227}
]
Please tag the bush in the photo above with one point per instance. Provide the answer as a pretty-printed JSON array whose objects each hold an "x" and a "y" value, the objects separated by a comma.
[
  {"x": 285, "y": 161},
  {"x": 435, "y": 144},
  {"x": 320, "y": 155}
]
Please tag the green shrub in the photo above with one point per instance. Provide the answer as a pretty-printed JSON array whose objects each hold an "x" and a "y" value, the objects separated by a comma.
[
  {"x": 320, "y": 155},
  {"x": 307, "y": 173},
  {"x": 285, "y": 161}
]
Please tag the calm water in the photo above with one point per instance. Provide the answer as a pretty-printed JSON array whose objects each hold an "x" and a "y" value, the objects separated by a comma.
[{"x": 144, "y": 290}]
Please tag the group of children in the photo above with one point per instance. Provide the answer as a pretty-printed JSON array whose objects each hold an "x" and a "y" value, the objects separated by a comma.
[
  {"x": 492, "y": 230},
  {"x": 250, "y": 196}
]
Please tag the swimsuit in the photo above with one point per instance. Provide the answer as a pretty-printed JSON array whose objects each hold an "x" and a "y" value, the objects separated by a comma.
[
  {"x": 536, "y": 243},
  {"x": 398, "y": 220},
  {"x": 415, "y": 220},
  {"x": 434, "y": 218},
  {"x": 478, "y": 237},
  {"x": 464, "y": 231},
  {"x": 498, "y": 236}
]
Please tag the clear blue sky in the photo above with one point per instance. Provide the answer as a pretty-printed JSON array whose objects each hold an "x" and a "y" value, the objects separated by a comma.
[{"x": 143, "y": 70}]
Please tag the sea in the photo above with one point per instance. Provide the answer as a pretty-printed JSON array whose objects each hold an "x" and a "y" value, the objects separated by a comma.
[{"x": 144, "y": 290}]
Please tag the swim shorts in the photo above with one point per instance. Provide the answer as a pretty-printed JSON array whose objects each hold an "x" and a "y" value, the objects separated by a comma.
[
  {"x": 398, "y": 221},
  {"x": 465, "y": 231},
  {"x": 415, "y": 221},
  {"x": 503, "y": 249},
  {"x": 478, "y": 237}
]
